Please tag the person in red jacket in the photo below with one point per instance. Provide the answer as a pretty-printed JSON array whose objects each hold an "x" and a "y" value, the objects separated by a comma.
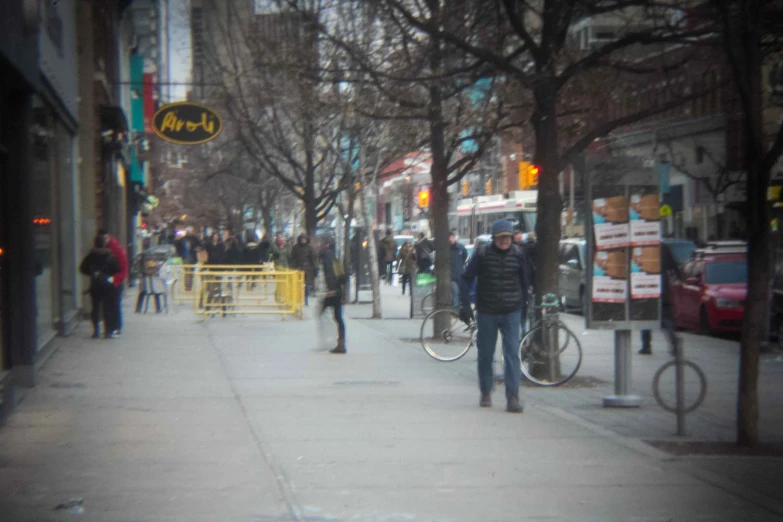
[{"x": 114, "y": 324}]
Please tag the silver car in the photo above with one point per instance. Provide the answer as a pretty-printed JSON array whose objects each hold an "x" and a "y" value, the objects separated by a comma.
[{"x": 572, "y": 262}]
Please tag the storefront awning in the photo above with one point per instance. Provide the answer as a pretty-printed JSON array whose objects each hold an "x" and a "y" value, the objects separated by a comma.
[{"x": 113, "y": 118}]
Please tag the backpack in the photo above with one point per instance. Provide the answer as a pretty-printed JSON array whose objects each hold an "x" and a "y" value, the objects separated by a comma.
[{"x": 338, "y": 269}]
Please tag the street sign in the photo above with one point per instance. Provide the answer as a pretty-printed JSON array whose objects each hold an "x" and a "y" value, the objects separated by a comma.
[
  {"x": 187, "y": 123},
  {"x": 666, "y": 210}
]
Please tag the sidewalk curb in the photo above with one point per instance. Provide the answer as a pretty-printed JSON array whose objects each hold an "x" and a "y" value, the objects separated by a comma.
[{"x": 754, "y": 497}]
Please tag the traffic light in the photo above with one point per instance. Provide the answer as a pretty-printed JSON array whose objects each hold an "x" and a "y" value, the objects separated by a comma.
[
  {"x": 532, "y": 175},
  {"x": 424, "y": 198},
  {"x": 465, "y": 187},
  {"x": 524, "y": 167},
  {"x": 488, "y": 186}
]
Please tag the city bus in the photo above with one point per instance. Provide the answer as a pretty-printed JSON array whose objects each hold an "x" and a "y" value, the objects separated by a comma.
[{"x": 474, "y": 216}]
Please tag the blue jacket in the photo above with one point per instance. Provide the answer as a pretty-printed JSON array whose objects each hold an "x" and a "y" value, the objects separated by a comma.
[{"x": 459, "y": 255}]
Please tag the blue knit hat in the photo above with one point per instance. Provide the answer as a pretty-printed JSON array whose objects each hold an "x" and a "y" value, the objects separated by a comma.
[{"x": 502, "y": 227}]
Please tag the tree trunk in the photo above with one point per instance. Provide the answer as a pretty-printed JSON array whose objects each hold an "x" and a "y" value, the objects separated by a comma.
[
  {"x": 755, "y": 310},
  {"x": 550, "y": 205},
  {"x": 351, "y": 195},
  {"x": 375, "y": 278},
  {"x": 266, "y": 212},
  {"x": 439, "y": 195}
]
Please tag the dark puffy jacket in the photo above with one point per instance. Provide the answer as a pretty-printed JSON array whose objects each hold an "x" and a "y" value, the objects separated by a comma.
[
  {"x": 99, "y": 263},
  {"x": 503, "y": 280},
  {"x": 303, "y": 258},
  {"x": 459, "y": 255}
]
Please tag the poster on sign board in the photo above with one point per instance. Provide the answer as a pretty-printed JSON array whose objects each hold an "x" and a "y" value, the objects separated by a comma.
[
  {"x": 610, "y": 222},
  {"x": 610, "y": 276},
  {"x": 646, "y": 272},
  {"x": 645, "y": 216}
]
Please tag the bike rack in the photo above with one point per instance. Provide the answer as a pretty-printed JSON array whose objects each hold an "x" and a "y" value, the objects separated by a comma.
[{"x": 680, "y": 409}]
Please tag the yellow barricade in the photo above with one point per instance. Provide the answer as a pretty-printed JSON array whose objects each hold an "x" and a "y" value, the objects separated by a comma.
[
  {"x": 242, "y": 292},
  {"x": 186, "y": 282}
]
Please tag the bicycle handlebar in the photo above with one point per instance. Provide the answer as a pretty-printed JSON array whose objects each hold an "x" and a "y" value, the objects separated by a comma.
[{"x": 550, "y": 300}]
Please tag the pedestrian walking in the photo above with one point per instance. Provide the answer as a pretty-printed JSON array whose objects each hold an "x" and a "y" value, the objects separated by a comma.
[
  {"x": 119, "y": 284},
  {"x": 334, "y": 276},
  {"x": 669, "y": 269},
  {"x": 303, "y": 257},
  {"x": 406, "y": 263},
  {"x": 500, "y": 269},
  {"x": 264, "y": 249},
  {"x": 101, "y": 267},
  {"x": 216, "y": 250},
  {"x": 233, "y": 250},
  {"x": 424, "y": 247},
  {"x": 280, "y": 253},
  {"x": 458, "y": 256},
  {"x": 389, "y": 255}
]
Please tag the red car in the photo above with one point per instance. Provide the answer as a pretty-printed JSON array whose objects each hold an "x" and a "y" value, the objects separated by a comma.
[{"x": 711, "y": 294}]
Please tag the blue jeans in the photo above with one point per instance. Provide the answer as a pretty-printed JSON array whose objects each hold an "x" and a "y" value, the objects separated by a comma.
[
  {"x": 455, "y": 302},
  {"x": 487, "y": 336}
]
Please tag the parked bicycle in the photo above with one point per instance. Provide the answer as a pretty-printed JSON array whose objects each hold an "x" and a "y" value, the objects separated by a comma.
[
  {"x": 550, "y": 352},
  {"x": 545, "y": 350}
]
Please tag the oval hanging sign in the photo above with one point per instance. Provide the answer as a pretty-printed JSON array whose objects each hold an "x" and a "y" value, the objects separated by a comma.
[{"x": 187, "y": 123}]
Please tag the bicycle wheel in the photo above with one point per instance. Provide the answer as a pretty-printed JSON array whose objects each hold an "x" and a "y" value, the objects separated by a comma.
[
  {"x": 428, "y": 303},
  {"x": 550, "y": 367},
  {"x": 444, "y": 337},
  {"x": 672, "y": 407}
]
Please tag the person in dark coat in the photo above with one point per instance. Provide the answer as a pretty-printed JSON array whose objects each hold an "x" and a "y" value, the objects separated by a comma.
[
  {"x": 251, "y": 255},
  {"x": 500, "y": 270},
  {"x": 406, "y": 265},
  {"x": 216, "y": 250},
  {"x": 334, "y": 276},
  {"x": 304, "y": 258},
  {"x": 389, "y": 245},
  {"x": 101, "y": 267},
  {"x": 264, "y": 249},
  {"x": 233, "y": 250},
  {"x": 459, "y": 256},
  {"x": 669, "y": 269},
  {"x": 424, "y": 247}
]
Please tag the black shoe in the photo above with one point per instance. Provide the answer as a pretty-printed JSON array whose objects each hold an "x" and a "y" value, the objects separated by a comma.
[
  {"x": 340, "y": 348},
  {"x": 513, "y": 405},
  {"x": 486, "y": 400},
  {"x": 96, "y": 335},
  {"x": 645, "y": 351}
]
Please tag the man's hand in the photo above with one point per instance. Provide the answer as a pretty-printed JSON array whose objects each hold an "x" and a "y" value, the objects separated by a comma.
[{"x": 466, "y": 314}]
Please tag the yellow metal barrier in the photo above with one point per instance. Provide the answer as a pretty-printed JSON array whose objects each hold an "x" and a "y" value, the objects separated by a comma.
[
  {"x": 234, "y": 292},
  {"x": 186, "y": 288}
]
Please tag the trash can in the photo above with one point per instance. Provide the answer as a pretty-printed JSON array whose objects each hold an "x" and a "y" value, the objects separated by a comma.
[{"x": 423, "y": 285}]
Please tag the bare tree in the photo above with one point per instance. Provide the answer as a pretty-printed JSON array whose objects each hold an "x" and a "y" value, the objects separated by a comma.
[
  {"x": 532, "y": 44},
  {"x": 419, "y": 81}
]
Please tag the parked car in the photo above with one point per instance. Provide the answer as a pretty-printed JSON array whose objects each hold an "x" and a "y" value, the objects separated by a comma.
[
  {"x": 572, "y": 262},
  {"x": 711, "y": 293}
]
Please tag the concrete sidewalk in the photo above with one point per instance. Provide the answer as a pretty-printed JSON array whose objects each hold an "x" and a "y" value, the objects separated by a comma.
[{"x": 248, "y": 419}]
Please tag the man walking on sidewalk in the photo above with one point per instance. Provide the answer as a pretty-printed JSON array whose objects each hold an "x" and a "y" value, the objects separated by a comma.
[{"x": 501, "y": 295}]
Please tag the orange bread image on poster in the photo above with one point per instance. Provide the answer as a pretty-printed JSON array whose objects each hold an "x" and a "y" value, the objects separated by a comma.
[
  {"x": 648, "y": 259},
  {"x": 616, "y": 209}
]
